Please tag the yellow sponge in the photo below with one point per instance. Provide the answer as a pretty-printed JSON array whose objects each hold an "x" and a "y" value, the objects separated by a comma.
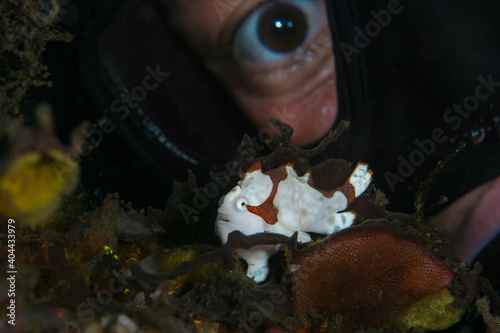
[
  {"x": 31, "y": 188},
  {"x": 433, "y": 312}
]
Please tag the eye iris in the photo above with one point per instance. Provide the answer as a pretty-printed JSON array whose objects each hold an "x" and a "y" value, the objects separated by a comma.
[{"x": 282, "y": 28}]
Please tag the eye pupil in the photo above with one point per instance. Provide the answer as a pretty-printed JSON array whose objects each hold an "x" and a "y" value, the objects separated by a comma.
[{"x": 282, "y": 28}]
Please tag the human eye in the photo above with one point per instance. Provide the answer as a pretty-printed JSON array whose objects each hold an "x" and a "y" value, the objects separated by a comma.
[
  {"x": 276, "y": 29},
  {"x": 280, "y": 42}
]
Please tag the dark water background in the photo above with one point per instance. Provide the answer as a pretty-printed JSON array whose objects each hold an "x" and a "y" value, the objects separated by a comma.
[{"x": 430, "y": 58}]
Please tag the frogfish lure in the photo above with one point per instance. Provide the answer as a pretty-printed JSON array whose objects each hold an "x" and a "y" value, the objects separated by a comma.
[{"x": 280, "y": 201}]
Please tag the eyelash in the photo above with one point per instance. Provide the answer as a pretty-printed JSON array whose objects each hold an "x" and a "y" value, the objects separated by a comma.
[{"x": 226, "y": 38}]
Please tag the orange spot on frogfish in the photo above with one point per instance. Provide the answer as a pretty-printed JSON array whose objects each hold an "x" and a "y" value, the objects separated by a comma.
[{"x": 266, "y": 210}]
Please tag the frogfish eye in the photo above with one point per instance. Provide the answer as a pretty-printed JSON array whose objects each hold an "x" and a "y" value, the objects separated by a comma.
[
  {"x": 282, "y": 27},
  {"x": 241, "y": 204}
]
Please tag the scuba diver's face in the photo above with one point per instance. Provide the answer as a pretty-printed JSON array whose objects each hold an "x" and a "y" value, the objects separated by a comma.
[{"x": 275, "y": 57}]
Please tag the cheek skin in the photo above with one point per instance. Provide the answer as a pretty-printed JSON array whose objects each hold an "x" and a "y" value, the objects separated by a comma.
[{"x": 309, "y": 108}]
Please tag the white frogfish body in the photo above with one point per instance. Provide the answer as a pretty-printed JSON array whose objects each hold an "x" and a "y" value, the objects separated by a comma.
[{"x": 280, "y": 201}]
